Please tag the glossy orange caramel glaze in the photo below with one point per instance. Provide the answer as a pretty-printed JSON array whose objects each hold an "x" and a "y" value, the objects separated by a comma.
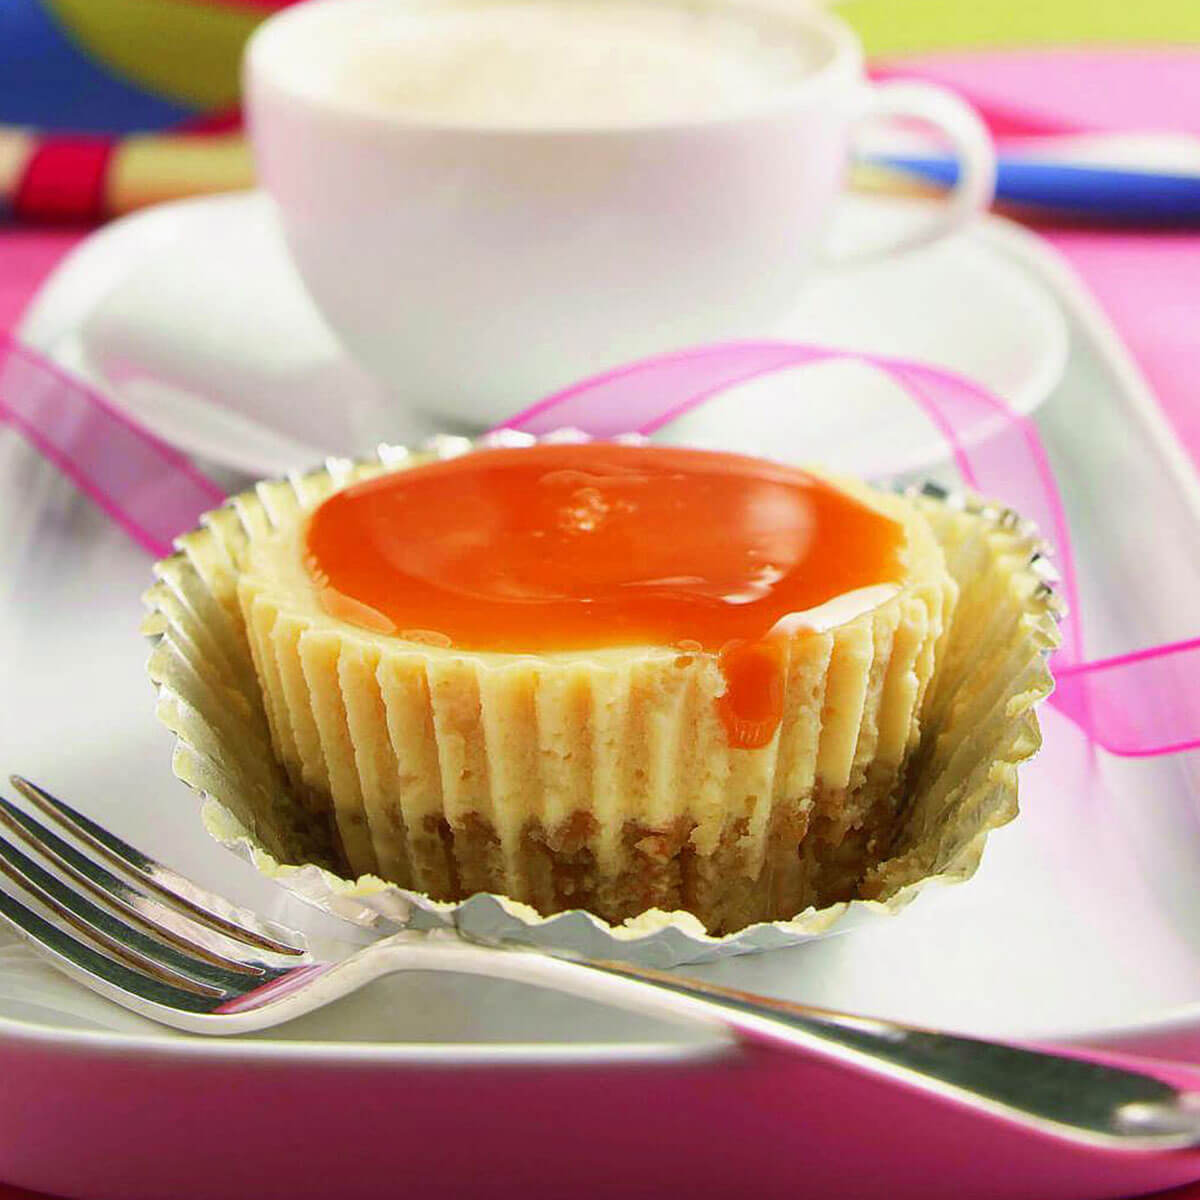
[{"x": 563, "y": 547}]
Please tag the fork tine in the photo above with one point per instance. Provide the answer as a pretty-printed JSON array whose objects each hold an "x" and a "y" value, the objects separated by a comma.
[
  {"x": 114, "y": 935},
  {"x": 99, "y": 954},
  {"x": 142, "y": 910},
  {"x": 170, "y": 886},
  {"x": 82, "y": 962}
]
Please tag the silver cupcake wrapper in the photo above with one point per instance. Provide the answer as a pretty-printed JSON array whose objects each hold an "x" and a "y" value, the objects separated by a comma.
[{"x": 191, "y": 613}]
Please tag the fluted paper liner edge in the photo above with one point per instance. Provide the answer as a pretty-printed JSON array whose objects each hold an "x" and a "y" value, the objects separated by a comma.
[{"x": 965, "y": 766}]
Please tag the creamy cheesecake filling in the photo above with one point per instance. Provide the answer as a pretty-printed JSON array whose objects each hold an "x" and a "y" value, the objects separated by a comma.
[{"x": 572, "y": 547}]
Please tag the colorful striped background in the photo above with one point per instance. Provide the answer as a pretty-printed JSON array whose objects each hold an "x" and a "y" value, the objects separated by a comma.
[{"x": 107, "y": 105}]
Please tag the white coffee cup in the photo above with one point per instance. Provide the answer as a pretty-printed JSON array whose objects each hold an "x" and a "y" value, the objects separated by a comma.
[{"x": 475, "y": 261}]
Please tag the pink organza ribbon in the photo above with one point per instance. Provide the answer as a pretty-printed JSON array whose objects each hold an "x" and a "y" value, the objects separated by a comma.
[
  {"x": 1139, "y": 704},
  {"x": 150, "y": 490}
]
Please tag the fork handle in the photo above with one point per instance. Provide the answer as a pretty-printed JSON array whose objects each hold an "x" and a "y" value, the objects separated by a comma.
[{"x": 1068, "y": 1097}]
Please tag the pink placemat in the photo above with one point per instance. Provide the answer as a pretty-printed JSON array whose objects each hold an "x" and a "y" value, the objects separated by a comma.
[
  {"x": 26, "y": 258},
  {"x": 1062, "y": 90},
  {"x": 1149, "y": 285}
]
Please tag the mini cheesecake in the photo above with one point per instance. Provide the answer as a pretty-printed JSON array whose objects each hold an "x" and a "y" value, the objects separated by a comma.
[{"x": 602, "y": 676}]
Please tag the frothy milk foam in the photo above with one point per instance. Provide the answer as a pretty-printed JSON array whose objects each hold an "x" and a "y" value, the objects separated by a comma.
[{"x": 558, "y": 63}]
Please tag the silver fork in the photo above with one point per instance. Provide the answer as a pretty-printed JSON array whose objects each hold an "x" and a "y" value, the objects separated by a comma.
[{"x": 146, "y": 938}]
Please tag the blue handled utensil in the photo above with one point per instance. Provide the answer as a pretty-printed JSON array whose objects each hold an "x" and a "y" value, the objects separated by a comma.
[{"x": 1122, "y": 179}]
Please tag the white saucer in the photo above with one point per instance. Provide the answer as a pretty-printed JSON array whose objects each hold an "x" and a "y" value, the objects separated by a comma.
[{"x": 191, "y": 317}]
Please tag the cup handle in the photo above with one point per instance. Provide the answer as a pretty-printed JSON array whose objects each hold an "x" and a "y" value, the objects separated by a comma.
[{"x": 971, "y": 143}]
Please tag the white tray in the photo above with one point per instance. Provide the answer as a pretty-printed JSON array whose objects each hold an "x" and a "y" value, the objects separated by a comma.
[{"x": 1083, "y": 923}]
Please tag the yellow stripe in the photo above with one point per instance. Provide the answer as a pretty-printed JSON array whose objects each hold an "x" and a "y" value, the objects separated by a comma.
[
  {"x": 185, "y": 51},
  {"x": 16, "y": 148},
  {"x": 888, "y": 27},
  {"x": 867, "y": 177},
  {"x": 146, "y": 170}
]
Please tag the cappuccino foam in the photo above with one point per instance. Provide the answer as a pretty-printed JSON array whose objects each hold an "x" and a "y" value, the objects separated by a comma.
[{"x": 559, "y": 63}]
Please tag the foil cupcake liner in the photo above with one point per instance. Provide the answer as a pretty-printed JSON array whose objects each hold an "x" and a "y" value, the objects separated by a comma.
[{"x": 983, "y": 724}]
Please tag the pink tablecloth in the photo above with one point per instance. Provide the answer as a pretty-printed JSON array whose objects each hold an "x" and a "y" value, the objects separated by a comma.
[
  {"x": 26, "y": 258},
  {"x": 1149, "y": 284}
]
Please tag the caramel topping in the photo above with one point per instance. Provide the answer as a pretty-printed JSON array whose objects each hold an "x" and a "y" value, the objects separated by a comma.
[{"x": 564, "y": 547}]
